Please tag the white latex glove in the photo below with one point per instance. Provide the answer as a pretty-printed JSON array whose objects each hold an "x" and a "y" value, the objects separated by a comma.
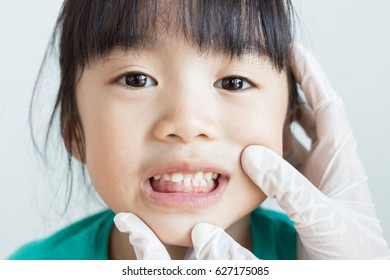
[
  {"x": 330, "y": 205},
  {"x": 213, "y": 243},
  {"x": 146, "y": 244}
]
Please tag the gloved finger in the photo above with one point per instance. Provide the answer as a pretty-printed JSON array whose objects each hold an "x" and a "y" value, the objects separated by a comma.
[
  {"x": 295, "y": 194},
  {"x": 331, "y": 123},
  {"x": 304, "y": 116},
  {"x": 298, "y": 155},
  {"x": 213, "y": 243},
  {"x": 331, "y": 175},
  {"x": 146, "y": 244},
  {"x": 309, "y": 74}
]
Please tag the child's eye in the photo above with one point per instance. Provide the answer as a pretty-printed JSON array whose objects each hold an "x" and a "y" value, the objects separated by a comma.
[
  {"x": 233, "y": 83},
  {"x": 137, "y": 80}
]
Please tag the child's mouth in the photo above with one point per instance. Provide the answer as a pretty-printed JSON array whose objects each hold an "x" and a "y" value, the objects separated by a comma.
[
  {"x": 196, "y": 189},
  {"x": 199, "y": 182}
]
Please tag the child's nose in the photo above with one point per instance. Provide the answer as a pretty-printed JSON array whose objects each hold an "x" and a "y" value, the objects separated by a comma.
[{"x": 187, "y": 116}]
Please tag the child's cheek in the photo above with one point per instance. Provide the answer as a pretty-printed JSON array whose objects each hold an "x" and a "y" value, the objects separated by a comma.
[
  {"x": 258, "y": 119},
  {"x": 258, "y": 129}
]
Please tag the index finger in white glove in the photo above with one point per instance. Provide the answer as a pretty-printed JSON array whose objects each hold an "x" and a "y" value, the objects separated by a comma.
[
  {"x": 213, "y": 243},
  {"x": 145, "y": 242}
]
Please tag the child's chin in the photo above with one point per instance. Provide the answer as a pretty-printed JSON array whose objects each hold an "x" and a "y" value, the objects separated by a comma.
[{"x": 179, "y": 236}]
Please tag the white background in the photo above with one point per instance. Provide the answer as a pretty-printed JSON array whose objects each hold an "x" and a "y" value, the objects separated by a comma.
[{"x": 351, "y": 40}]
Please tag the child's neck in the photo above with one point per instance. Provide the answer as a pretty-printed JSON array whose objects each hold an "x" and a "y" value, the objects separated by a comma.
[{"x": 120, "y": 248}]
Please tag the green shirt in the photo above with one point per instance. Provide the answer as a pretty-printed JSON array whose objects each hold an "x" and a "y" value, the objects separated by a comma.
[{"x": 273, "y": 234}]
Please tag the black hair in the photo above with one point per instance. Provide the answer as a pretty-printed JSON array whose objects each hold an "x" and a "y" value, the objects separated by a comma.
[{"x": 86, "y": 31}]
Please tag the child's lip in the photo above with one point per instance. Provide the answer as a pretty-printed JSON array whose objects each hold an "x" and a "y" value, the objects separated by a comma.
[{"x": 186, "y": 200}]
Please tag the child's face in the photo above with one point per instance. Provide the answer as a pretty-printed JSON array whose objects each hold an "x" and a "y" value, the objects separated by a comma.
[{"x": 176, "y": 111}]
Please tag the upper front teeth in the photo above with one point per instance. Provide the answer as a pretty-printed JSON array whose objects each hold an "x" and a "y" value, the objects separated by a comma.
[{"x": 179, "y": 177}]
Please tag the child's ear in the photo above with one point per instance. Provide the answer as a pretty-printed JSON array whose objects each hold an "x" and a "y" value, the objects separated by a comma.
[
  {"x": 73, "y": 142},
  {"x": 293, "y": 151},
  {"x": 76, "y": 153},
  {"x": 287, "y": 135},
  {"x": 287, "y": 141}
]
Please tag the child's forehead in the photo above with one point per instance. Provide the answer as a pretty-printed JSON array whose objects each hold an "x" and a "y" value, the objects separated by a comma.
[
  {"x": 162, "y": 48},
  {"x": 160, "y": 43}
]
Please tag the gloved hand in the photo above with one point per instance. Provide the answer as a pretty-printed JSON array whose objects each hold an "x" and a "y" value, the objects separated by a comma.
[
  {"x": 329, "y": 202},
  {"x": 330, "y": 205}
]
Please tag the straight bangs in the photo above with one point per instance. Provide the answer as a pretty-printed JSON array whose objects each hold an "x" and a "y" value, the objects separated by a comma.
[{"x": 92, "y": 29}]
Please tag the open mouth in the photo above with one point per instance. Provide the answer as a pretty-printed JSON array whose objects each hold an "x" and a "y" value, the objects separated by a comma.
[
  {"x": 198, "y": 182},
  {"x": 197, "y": 189}
]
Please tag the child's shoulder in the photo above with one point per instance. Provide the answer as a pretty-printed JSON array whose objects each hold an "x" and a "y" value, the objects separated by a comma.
[
  {"x": 272, "y": 218},
  {"x": 273, "y": 234},
  {"x": 85, "y": 239}
]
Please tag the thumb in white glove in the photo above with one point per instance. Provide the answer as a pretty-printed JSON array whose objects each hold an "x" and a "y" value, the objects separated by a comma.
[
  {"x": 213, "y": 243},
  {"x": 146, "y": 244}
]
